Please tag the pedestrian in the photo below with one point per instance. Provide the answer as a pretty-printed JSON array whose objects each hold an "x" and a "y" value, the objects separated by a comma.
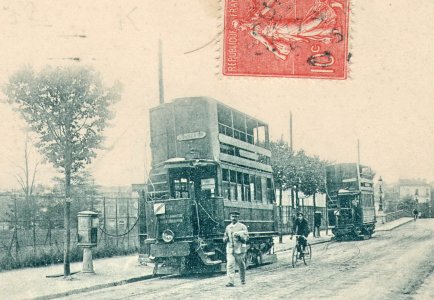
[
  {"x": 301, "y": 228},
  {"x": 317, "y": 223},
  {"x": 415, "y": 214},
  {"x": 235, "y": 237}
]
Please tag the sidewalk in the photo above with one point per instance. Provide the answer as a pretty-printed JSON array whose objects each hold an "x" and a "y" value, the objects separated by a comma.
[
  {"x": 392, "y": 224},
  {"x": 32, "y": 283}
]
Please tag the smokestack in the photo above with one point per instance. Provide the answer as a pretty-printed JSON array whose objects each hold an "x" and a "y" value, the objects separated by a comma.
[{"x": 160, "y": 72}]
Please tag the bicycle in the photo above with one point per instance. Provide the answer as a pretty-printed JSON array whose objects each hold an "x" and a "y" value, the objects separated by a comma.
[{"x": 297, "y": 254}]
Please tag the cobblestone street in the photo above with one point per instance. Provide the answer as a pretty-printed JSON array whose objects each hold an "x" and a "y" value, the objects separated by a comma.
[{"x": 392, "y": 265}]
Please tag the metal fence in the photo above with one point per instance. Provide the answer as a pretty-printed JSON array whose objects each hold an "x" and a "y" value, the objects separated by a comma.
[
  {"x": 33, "y": 226},
  {"x": 289, "y": 215},
  {"x": 397, "y": 215}
]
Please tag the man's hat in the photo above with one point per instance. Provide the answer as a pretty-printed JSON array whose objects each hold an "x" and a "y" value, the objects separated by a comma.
[
  {"x": 300, "y": 213},
  {"x": 234, "y": 213}
]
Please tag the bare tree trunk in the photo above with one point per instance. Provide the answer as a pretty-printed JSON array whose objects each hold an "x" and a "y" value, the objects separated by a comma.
[
  {"x": 67, "y": 214},
  {"x": 280, "y": 215}
]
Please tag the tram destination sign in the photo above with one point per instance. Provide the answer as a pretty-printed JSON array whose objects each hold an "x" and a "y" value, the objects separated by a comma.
[{"x": 191, "y": 136}]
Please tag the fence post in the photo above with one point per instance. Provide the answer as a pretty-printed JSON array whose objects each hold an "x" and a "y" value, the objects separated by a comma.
[
  {"x": 128, "y": 223},
  {"x": 116, "y": 219},
  {"x": 280, "y": 215},
  {"x": 16, "y": 229},
  {"x": 34, "y": 224},
  {"x": 104, "y": 221}
]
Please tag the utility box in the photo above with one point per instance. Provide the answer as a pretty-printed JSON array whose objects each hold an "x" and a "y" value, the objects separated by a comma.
[{"x": 87, "y": 229}]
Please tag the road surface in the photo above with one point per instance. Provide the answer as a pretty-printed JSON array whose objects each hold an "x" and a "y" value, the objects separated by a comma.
[{"x": 395, "y": 264}]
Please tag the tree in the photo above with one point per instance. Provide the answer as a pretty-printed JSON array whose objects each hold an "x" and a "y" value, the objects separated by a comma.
[
  {"x": 407, "y": 203},
  {"x": 281, "y": 156},
  {"x": 68, "y": 108},
  {"x": 83, "y": 191},
  {"x": 26, "y": 180},
  {"x": 305, "y": 173},
  {"x": 281, "y": 162}
]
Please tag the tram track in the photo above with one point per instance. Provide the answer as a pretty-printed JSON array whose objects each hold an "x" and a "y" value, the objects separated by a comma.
[{"x": 353, "y": 262}]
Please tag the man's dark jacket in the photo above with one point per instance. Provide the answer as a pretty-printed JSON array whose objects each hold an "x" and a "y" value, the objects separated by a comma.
[{"x": 301, "y": 227}]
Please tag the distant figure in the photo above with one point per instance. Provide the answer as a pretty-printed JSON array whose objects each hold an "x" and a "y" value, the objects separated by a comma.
[
  {"x": 337, "y": 215},
  {"x": 317, "y": 224},
  {"x": 301, "y": 228},
  {"x": 235, "y": 237},
  {"x": 415, "y": 214}
]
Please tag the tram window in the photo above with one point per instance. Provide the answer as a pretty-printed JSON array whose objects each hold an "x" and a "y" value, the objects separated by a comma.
[
  {"x": 252, "y": 187},
  {"x": 225, "y": 174},
  {"x": 239, "y": 177},
  {"x": 258, "y": 188},
  {"x": 180, "y": 188},
  {"x": 240, "y": 190},
  {"x": 226, "y": 190},
  {"x": 237, "y": 134},
  {"x": 247, "y": 195},
  {"x": 224, "y": 116},
  {"x": 239, "y": 121},
  {"x": 228, "y": 149},
  {"x": 233, "y": 191},
  {"x": 243, "y": 136},
  {"x": 270, "y": 194},
  {"x": 260, "y": 135}
]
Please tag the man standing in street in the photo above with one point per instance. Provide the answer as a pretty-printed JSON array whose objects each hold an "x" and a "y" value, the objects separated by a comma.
[
  {"x": 317, "y": 223},
  {"x": 235, "y": 237}
]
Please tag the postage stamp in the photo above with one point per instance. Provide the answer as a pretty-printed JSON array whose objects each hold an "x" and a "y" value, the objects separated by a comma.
[{"x": 286, "y": 38}]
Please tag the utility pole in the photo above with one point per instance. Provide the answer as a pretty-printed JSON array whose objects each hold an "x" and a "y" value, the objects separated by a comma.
[
  {"x": 290, "y": 132},
  {"x": 160, "y": 72},
  {"x": 358, "y": 154}
]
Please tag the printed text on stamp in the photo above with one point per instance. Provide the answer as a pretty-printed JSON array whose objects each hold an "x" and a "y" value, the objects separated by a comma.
[{"x": 286, "y": 38}]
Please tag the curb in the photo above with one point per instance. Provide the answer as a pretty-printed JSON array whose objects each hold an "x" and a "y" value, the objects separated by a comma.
[
  {"x": 399, "y": 225},
  {"x": 95, "y": 287}
]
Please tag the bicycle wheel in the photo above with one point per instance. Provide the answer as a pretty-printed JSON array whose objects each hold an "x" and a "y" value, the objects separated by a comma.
[
  {"x": 294, "y": 256},
  {"x": 308, "y": 255}
]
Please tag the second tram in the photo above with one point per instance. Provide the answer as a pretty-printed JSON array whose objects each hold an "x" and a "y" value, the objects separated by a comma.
[{"x": 351, "y": 206}]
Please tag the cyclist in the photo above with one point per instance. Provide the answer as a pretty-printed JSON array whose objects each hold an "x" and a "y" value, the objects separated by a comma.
[
  {"x": 300, "y": 228},
  {"x": 415, "y": 214}
]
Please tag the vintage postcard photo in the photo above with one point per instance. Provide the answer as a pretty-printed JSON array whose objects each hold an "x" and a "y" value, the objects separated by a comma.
[{"x": 221, "y": 149}]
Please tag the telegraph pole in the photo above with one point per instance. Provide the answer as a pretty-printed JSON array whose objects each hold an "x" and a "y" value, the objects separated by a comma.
[
  {"x": 290, "y": 132},
  {"x": 160, "y": 72}
]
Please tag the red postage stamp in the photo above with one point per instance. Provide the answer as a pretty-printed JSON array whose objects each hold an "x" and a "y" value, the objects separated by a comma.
[{"x": 286, "y": 38}]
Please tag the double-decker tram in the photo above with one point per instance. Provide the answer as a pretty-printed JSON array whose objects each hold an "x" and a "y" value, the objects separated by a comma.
[
  {"x": 350, "y": 193},
  {"x": 207, "y": 160}
]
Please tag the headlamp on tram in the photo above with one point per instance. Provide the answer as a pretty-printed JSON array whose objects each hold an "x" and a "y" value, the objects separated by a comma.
[{"x": 167, "y": 236}]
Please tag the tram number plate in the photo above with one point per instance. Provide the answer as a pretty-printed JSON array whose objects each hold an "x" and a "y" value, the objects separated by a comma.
[{"x": 159, "y": 208}]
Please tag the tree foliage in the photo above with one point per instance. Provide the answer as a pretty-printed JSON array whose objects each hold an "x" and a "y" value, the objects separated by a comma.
[
  {"x": 67, "y": 107},
  {"x": 297, "y": 169}
]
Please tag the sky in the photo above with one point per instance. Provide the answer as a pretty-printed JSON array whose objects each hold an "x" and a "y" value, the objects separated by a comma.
[{"x": 387, "y": 102}]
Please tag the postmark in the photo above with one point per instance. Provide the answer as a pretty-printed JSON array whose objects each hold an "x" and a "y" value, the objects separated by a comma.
[{"x": 286, "y": 38}]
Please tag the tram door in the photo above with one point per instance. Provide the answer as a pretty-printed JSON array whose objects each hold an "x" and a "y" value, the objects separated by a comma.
[
  {"x": 357, "y": 210},
  {"x": 205, "y": 178}
]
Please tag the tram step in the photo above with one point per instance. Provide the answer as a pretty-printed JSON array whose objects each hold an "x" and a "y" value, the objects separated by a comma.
[
  {"x": 209, "y": 253},
  {"x": 210, "y": 262}
]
